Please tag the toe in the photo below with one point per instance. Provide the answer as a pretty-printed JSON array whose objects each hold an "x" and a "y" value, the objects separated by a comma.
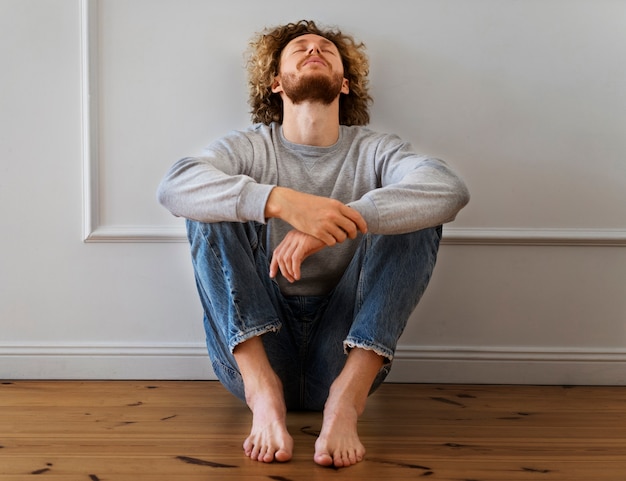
[
  {"x": 264, "y": 455},
  {"x": 341, "y": 460},
  {"x": 323, "y": 459},
  {"x": 282, "y": 455},
  {"x": 247, "y": 447},
  {"x": 254, "y": 453},
  {"x": 270, "y": 455}
]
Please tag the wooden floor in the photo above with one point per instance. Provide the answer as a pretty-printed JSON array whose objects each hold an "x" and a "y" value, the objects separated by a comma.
[{"x": 192, "y": 431}]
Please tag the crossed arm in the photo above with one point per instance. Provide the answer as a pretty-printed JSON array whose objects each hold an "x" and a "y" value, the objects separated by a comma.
[{"x": 317, "y": 221}]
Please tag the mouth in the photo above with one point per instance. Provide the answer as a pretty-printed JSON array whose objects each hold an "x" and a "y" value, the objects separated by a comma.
[{"x": 314, "y": 60}]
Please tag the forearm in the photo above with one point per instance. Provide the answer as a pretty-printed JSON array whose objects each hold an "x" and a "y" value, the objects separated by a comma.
[
  {"x": 328, "y": 220},
  {"x": 427, "y": 197},
  {"x": 195, "y": 190}
]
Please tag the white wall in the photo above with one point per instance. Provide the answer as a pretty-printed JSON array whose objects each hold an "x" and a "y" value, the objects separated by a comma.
[{"x": 526, "y": 99}]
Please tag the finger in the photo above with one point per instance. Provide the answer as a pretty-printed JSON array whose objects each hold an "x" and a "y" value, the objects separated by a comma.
[
  {"x": 285, "y": 271},
  {"x": 326, "y": 237},
  {"x": 356, "y": 217},
  {"x": 341, "y": 226},
  {"x": 276, "y": 264},
  {"x": 295, "y": 270},
  {"x": 341, "y": 232},
  {"x": 283, "y": 262},
  {"x": 273, "y": 267},
  {"x": 280, "y": 262},
  {"x": 296, "y": 262},
  {"x": 292, "y": 264}
]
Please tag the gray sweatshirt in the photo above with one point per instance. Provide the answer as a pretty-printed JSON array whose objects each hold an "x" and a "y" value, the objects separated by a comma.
[{"x": 393, "y": 188}]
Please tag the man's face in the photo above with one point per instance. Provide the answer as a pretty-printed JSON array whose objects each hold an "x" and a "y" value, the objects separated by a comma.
[{"x": 310, "y": 70}]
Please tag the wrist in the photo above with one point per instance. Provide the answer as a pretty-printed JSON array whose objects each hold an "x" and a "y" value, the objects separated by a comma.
[{"x": 273, "y": 204}]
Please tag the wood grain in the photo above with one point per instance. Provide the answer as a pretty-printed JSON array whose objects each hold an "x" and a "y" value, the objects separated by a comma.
[{"x": 101, "y": 431}]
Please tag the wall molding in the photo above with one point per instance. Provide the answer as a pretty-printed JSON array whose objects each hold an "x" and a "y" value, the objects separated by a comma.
[
  {"x": 436, "y": 364},
  {"x": 90, "y": 116},
  {"x": 95, "y": 231},
  {"x": 451, "y": 236},
  {"x": 534, "y": 236}
]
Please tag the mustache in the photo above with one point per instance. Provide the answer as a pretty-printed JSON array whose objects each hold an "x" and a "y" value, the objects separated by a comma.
[{"x": 308, "y": 58}]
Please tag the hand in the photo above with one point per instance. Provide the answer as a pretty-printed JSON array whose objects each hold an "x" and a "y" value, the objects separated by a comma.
[
  {"x": 291, "y": 252},
  {"x": 328, "y": 220}
]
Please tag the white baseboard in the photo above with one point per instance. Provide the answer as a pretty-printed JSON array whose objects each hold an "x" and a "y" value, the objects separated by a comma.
[
  {"x": 509, "y": 365},
  {"x": 416, "y": 364},
  {"x": 115, "y": 362}
]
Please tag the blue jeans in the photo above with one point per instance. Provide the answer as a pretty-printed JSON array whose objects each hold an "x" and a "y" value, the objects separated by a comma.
[{"x": 306, "y": 338}]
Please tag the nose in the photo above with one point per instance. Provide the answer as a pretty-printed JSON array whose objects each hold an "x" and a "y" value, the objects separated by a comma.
[{"x": 314, "y": 48}]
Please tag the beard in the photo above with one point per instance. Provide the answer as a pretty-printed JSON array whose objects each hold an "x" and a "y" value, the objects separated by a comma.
[{"x": 314, "y": 87}]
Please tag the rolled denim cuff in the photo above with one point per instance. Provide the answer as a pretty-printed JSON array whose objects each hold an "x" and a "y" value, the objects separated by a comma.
[
  {"x": 243, "y": 336},
  {"x": 383, "y": 351}
]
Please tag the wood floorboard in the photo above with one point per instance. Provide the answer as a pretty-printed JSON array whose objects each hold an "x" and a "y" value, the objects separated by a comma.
[{"x": 192, "y": 431}]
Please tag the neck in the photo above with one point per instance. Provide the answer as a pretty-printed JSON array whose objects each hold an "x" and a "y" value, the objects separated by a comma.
[{"x": 311, "y": 123}]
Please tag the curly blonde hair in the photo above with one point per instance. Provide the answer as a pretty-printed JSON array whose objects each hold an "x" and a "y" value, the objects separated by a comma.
[{"x": 263, "y": 62}]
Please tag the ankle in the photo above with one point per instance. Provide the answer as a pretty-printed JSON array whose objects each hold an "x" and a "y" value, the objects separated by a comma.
[
  {"x": 342, "y": 400},
  {"x": 261, "y": 383},
  {"x": 265, "y": 392},
  {"x": 352, "y": 387}
]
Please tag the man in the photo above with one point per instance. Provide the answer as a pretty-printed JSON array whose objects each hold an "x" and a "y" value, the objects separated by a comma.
[{"x": 312, "y": 240}]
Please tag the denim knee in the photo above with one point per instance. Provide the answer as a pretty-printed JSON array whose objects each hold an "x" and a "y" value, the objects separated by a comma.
[{"x": 393, "y": 273}]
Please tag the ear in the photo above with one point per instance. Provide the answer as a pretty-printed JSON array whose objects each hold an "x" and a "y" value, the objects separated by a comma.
[
  {"x": 345, "y": 86},
  {"x": 276, "y": 86}
]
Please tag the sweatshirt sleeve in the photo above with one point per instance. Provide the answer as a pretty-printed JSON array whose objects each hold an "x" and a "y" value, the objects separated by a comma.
[
  {"x": 416, "y": 191},
  {"x": 217, "y": 186}
]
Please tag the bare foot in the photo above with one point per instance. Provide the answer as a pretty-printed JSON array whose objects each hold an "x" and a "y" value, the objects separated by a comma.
[
  {"x": 339, "y": 444},
  {"x": 268, "y": 440}
]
